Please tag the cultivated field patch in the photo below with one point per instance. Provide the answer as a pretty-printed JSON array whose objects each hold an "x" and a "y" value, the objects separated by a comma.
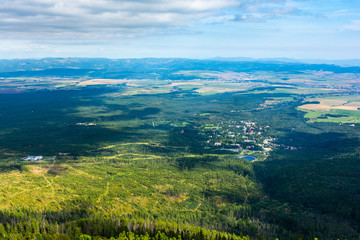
[
  {"x": 103, "y": 82},
  {"x": 345, "y": 109}
]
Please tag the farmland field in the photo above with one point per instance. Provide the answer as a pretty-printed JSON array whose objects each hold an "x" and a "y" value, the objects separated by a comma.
[{"x": 343, "y": 109}]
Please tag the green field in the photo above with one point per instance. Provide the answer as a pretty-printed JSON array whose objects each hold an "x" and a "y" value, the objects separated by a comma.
[
  {"x": 334, "y": 115},
  {"x": 339, "y": 109}
]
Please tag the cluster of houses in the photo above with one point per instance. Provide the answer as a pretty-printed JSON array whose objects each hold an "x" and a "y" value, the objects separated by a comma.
[
  {"x": 234, "y": 135},
  {"x": 33, "y": 158},
  {"x": 36, "y": 159},
  {"x": 240, "y": 136},
  {"x": 85, "y": 124}
]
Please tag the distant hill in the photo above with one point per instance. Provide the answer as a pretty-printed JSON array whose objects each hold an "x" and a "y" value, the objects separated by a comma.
[
  {"x": 343, "y": 62},
  {"x": 159, "y": 67}
]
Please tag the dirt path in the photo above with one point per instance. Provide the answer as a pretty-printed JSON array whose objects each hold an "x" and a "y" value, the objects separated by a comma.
[
  {"x": 106, "y": 191},
  {"x": 52, "y": 191}
]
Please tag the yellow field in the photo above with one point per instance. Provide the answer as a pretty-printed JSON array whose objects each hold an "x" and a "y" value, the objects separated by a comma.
[
  {"x": 326, "y": 104},
  {"x": 103, "y": 82},
  {"x": 174, "y": 84},
  {"x": 218, "y": 90},
  {"x": 300, "y": 80}
]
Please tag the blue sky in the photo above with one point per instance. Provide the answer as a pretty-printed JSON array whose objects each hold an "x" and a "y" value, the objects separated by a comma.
[{"x": 303, "y": 29}]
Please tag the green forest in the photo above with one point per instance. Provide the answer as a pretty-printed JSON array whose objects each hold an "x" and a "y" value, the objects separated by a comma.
[{"x": 119, "y": 162}]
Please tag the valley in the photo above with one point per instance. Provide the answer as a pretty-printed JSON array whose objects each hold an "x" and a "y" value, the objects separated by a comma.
[{"x": 157, "y": 151}]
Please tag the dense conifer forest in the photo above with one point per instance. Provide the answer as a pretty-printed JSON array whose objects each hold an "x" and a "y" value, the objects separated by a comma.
[{"x": 160, "y": 151}]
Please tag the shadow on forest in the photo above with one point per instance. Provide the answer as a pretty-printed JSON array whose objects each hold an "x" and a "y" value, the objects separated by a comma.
[
  {"x": 189, "y": 163},
  {"x": 43, "y": 123},
  {"x": 83, "y": 210},
  {"x": 321, "y": 176},
  {"x": 231, "y": 195}
]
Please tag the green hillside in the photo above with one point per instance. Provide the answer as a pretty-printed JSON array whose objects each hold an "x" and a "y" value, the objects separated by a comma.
[{"x": 164, "y": 159}]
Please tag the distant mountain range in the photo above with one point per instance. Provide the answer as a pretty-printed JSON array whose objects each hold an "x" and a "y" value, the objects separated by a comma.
[
  {"x": 163, "y": 68},
  {"x": 343, "y": 62}
]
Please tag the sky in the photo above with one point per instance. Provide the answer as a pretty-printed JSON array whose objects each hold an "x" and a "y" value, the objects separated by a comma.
[{"x": 302, "y": 29}]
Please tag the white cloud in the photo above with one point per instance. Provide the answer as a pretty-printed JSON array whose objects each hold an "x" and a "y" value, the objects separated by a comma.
[
  {"x": 94, "y": 19},
  {"x": 354, "y": 26}
]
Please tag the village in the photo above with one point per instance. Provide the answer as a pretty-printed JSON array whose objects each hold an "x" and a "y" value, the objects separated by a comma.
[
  {"x": 240, "y": 136},
  {"x": 36, "y": 159},
  {"x": 86, "y": 124}
]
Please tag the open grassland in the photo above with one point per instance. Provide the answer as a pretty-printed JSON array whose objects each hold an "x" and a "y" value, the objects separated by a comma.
[
  {"x": 120, "y": 185},
  {"x": 202, "y": 82},
  {"x": 342, "y": 109},
  {"x": 184, "y": 83},
  {"x": 184, "y": 189},
  {"x": 333, "y": 115},
  {"x": 328, "y": 103},
  {"x": 103, "y": 82}
]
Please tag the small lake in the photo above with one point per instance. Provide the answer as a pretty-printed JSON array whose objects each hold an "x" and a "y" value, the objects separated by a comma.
[{"x": 248, "y": 157}]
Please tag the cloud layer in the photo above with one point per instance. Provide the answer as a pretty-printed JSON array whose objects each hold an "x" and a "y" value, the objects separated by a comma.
[
  {"x": 94, "y": 19},
  {"x": 354, "y": 26}
]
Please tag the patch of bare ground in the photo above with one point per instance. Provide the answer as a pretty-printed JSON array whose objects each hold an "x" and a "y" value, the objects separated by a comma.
[
  {"x": 37, "y": 170},
  {"x": 350, "y": 106},
  {"x": 328, "y": 104},
  {"x": 217, "y": 90},
  {"x": 56, "y": 169},
  {"x": 103, "y": 82},
  {"x": 185, "y": 83},
  {"x": 295, "y": 80}
]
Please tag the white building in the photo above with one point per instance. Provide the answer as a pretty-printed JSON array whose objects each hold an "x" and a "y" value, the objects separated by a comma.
[{"x": 33, "y": 158}]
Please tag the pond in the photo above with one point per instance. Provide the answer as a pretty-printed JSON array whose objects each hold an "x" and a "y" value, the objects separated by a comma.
[{"x": 248, "y": 157}]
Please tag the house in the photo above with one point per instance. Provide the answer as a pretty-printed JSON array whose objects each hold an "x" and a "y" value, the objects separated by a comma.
[{"x": 32, "y": 158}]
